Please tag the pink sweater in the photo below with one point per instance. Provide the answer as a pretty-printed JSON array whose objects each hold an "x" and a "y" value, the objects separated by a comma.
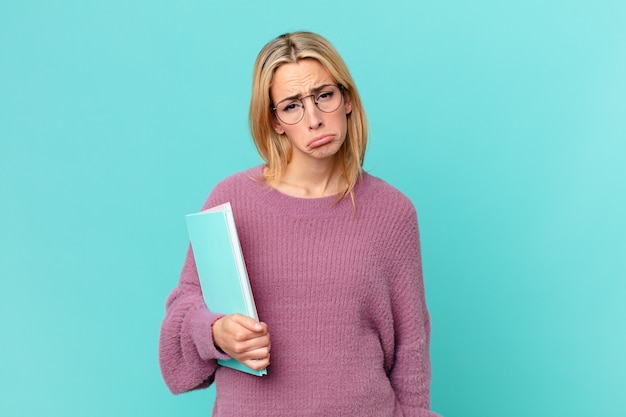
[{"x": 343, "y": 298}]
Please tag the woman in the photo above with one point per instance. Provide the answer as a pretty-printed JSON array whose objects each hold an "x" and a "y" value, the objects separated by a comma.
[{"x": 333, "y": 258}]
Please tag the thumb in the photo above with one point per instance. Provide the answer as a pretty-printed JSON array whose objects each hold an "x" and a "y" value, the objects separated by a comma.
[{"x": 248, "y": 322}]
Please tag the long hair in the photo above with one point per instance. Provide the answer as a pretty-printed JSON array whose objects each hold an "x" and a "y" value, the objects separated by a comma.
[{"x": 276, "y": 149}]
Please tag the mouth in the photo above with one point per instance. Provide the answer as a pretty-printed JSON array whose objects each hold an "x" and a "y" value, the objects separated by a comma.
[{"x": 320, "y": 141}]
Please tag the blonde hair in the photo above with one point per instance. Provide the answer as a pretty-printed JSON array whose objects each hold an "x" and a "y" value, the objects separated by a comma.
[{"x": 275, "y": 149}]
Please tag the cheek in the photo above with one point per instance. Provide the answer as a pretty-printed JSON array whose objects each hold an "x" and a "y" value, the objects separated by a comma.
[
  {"x": 291, "y": 132},
  {"x": 344, "y": 122}
]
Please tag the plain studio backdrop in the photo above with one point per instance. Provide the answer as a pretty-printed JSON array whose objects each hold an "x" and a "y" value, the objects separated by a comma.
[{"x": 504, "y": 122}]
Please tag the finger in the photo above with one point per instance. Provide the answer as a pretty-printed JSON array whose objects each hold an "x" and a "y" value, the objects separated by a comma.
[
  {"x": 261, "y": 353},
  {"x": 252, "y": 345},
  {"x": 249, "y": 323},
  {"x": 258, "y": 363}
]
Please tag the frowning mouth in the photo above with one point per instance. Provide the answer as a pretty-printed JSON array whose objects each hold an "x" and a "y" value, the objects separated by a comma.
[{"x": 320, "y": 140}]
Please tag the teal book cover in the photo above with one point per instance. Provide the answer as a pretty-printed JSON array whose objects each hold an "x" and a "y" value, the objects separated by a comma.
[{"x": 221, "y": 267}]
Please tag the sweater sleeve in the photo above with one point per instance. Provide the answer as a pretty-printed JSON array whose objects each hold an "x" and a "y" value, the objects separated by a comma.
[
  {"x": 410, "y": 373},
  {"x": 187, "y": 355}
]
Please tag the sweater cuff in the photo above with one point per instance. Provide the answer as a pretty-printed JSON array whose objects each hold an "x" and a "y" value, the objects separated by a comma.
[{"x": 202, "y": 334}]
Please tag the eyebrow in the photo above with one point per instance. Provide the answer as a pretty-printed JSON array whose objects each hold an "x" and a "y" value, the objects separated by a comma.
[{"x": 312, "y": 91}]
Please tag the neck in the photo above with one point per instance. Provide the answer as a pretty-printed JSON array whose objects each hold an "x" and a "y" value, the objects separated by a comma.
[{"x": 312, "y": 180}]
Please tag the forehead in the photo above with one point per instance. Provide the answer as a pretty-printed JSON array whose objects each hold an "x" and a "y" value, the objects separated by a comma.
[{"x": 298, "y": 78}]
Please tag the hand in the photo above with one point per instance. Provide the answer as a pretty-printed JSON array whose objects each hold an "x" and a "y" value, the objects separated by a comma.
[{"x": 244, "y": 339}]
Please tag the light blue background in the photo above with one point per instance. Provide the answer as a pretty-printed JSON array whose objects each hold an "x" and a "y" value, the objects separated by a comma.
[{"x": 503, "y": 121}]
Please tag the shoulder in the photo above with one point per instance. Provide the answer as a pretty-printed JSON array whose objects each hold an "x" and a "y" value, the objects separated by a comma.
[
  {"x": 239, "y": 179},
  {"x": 378, "y": 194},
  {"x": 234, "y": 186},
  {"x": 389, "y": 212}
]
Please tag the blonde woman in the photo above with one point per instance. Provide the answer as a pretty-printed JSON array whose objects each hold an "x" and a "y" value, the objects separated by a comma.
[{"x": 333, "y": 257}]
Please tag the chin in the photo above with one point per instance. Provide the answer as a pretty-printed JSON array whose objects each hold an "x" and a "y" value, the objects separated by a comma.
[{"x": 327, "y": 151}]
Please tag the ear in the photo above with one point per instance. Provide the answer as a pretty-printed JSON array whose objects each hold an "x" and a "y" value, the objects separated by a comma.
[
  {"x": 277, "y": 127},
  {"x": 347, "y": 104}
]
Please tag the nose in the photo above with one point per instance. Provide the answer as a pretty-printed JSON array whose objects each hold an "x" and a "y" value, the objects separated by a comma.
[{"x": 312, "y": 114}]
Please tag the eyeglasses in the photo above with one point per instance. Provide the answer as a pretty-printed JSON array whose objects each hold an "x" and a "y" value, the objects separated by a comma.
[{"x": 328, "y": 98}]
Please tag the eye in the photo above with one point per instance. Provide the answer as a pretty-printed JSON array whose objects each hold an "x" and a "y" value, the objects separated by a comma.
[
  {"x": 291, "y": 107},
  {"x": 324, "y": 96}
]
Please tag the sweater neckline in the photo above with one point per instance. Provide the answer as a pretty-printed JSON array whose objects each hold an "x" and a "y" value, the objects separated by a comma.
[{"x": 303, "y": 206}]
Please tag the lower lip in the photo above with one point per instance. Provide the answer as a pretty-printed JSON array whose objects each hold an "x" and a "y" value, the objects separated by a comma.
[{"x": 321, "y": 141}]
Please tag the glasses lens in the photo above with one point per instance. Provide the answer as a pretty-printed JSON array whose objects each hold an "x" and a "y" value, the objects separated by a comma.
[
  {"x": 329, "y": 99},
  {"x": 292, "y": 111}
]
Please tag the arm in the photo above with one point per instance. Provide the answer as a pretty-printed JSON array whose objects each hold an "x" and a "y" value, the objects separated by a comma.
[
  {"x": 191, "y": 334},
  {"x": 411, "y": 372}
]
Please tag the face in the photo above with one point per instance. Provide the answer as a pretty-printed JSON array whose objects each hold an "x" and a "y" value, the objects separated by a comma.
[{"x": 319, "y": 135}]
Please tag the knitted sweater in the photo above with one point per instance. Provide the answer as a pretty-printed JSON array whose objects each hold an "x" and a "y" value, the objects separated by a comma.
[{"x": 342, "y": 295}]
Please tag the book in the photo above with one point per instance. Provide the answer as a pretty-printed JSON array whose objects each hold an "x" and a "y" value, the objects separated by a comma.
[{"x": 221, "y": 268}]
